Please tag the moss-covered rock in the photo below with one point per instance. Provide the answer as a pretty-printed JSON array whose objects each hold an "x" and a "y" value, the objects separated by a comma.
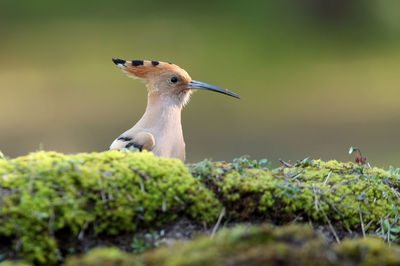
[
  {"x": 262, "y": 245},
  {"x": 311, "y": 190},
  {"x": 46, "y": 193},
  {"x": 47, "y": 199}
]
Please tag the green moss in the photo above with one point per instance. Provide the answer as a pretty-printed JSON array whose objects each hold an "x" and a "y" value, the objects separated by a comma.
[
  {"x": 11, "y": 263},
  {"x": 47, "y": 195},
  {"x": 369, "y": 251},
  {"x": 242, "y": 246},
  {"x": 261, "y": 245},
  {"x": 104, "y": 257},
  {"x": 257, "y": 245},
  {"x": 111, "y": 192},
  {"x": 311, "y": 190}
]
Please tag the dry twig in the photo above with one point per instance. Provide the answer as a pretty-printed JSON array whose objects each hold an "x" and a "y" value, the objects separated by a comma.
[
  {"x": 285, "y": 163},
  {"x": 330, "y": 226},
  {"x": 221, "y": 215},
  {"x": 329, "y": 175},
  {"x": 362, "y": 223}
]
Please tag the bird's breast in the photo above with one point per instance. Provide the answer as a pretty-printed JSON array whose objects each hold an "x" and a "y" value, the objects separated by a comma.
[{"x": 169, "y": 145}]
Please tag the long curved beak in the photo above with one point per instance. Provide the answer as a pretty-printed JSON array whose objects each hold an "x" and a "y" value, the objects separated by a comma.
[{"x": 204, "y": 86}]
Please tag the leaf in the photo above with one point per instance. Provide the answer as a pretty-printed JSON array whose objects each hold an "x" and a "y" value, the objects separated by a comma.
[
  {"x": 353, "y": 149},
  {"x": 386, "y": 225},
  {"x": 362, "y": 196},
  {"x": 397, "y": 171}
]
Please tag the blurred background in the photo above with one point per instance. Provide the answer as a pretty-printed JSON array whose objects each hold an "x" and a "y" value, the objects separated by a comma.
[{"x": 315, "y": 76}]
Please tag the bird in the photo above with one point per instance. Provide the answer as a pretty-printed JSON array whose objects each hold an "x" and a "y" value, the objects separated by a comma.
[{"x": 169, "y": 88}]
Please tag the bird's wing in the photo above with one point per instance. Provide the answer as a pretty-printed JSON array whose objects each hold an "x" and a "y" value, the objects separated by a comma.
[{"x": 140, "y": 141}]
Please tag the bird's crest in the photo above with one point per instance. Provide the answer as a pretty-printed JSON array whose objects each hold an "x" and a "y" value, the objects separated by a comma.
[{"x": 147, "y": 68}]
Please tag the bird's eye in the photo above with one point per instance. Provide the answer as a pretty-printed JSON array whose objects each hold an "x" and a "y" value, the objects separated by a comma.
[{"x": 174, "y": 79}]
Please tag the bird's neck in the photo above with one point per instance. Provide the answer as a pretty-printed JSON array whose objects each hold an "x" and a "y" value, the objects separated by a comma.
[{"x": 162, "y": 113}]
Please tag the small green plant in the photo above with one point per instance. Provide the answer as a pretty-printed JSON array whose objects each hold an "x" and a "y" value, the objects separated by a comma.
[
  {"x": 149, "y": 241},
  {"x": 241, "y": 163},
  {"x": 362, "y": 160},
  {"x": 287, "y": 190},
  {"x": 202, "y": 169},
  {"x": 304, "y": 163},
  {"x": 390, "y": 228},
  {"x": 393, "y": 171},
  {"x": 139, "y": 245},
  {"x": 206, "y": 168}
]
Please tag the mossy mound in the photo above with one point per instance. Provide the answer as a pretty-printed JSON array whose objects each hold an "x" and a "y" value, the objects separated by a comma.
[
  {"x": 47, "y": 195},
  {"x": 47, "y": 199},
  {"x": 350, "y": 196},
  {"x": 263, "y": 245}
]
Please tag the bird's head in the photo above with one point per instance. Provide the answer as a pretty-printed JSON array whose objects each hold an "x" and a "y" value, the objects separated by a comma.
[{"x": 166, "y": 79}]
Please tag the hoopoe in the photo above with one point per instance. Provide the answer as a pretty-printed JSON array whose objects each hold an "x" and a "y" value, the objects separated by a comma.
[{"x": 169, "y": 88}]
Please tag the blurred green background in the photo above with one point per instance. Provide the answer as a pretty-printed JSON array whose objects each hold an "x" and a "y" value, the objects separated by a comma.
[{"x": 316, "y": 77}]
